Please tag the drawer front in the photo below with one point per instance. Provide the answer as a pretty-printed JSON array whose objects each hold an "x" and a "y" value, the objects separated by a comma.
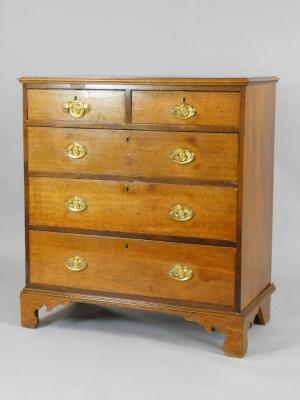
[
  {"x": 101, "y": 106},
  {"x": 130, "y": 266},
  {"x": 134, "y": 153},
  {"x": 186, "y": 107},
  {"x": 203, "y": 211}
]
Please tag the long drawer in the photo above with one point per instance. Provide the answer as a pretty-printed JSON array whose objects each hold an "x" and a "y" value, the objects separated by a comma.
[
  {"x": 165, "y": 209},
  {"x": 185, "y": 272},
  {"x": 99, "y": 106},
  {"x": 204, "y": 156},
  {"x": 186, "y": 107}
]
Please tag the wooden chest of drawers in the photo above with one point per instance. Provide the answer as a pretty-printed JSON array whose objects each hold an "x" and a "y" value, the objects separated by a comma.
[{"x": 153, "y": 194}]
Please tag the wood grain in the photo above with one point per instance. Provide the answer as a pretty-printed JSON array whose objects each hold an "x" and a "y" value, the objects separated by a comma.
[
  {"x": 134, "y": 153},
  {"x": 26, "y": 183},
  {"x": 106, "y": 106},
  {"x": 263, "y": 315},
  {"x": 129, "y": 80},
  {"x": 130, "y": 126},
  {"x": 234, "y": 326},
  {"x": 31, "y": 304},
  {"x": 257, "y": 191},
  {"x": 130, "y": 184},
  {"x": 132, "y": 266},
  {"x": 135, "y": 235},
  {"x": 213, "y": 108},
  {"x": 134, "y": 206}
]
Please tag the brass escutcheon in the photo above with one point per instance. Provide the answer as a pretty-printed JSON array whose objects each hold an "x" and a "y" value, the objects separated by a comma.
[
  {"x": 75, "y": 263},
  {"x": 75, "y": 204},
  {"x": 76, "y": 108},
  {"x": 182, "y": 156},
  {"x": 180, "y": 272},
  {"x": 184, "y": 110},
  {"x": 181, "y": 212},
  {"x": 75, "y": 150}
]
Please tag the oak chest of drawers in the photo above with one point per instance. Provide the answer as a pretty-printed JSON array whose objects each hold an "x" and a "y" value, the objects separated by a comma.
[{"x": 153, "y": 194}]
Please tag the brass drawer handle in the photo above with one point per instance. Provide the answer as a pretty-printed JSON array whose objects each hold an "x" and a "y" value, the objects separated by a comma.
[
  {"x": 76, "y": 108},
  {"x": 184, "y": 110},
  {"x": 75, "y": 150},
  {"x": 75, "y": 204},
  {"x": 180, "y": 272},
  {"x": 182, "y": 156},
  {"x": 75, "y": 263},
  {"x": 181, "y": 212}
]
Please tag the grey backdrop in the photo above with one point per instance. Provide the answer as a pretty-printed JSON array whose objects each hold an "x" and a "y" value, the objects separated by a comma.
[{"x": 124, "y": 354}]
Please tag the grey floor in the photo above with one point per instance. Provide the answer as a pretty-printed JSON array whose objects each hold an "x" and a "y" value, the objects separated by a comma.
[{"x": 83, "y": 351}]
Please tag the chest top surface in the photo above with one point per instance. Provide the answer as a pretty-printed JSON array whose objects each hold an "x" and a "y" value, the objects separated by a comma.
[{"x": 149, "y": 80}]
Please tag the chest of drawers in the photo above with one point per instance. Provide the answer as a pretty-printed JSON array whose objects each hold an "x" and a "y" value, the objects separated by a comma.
[{"x": 152, "y": 194}]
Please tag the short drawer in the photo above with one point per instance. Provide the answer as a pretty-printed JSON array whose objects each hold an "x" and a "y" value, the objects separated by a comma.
[
  {"x": 204, "y": 156},
  {"x": 99, "y": 106},
  {"x": 163, "y": 209},
  {"x": 186, "y": 107},
  {"x": 186, "y": 272}
]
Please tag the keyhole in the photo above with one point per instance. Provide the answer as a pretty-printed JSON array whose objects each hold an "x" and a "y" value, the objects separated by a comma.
[
  {"x": 75, "y": 97},
  {"x": 126, "y": 189},
  {"x": 183, "y": 99},
  {"x": 126, "y": 245},
  {"x": 127, "y": 138}
]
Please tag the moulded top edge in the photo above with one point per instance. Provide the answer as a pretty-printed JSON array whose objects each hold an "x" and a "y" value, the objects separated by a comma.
[{"x": 148, "y": 80}]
